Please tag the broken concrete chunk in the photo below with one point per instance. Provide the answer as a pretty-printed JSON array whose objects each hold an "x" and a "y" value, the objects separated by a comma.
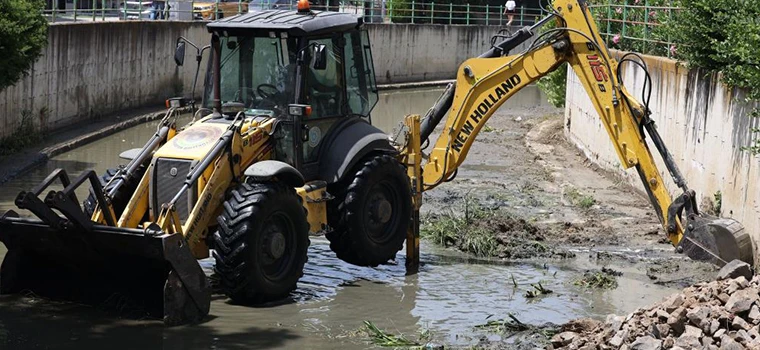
[
  {"x": 714, "y": 325},
  {"x": 614, "y": 322},
  {"x": 563, "y": 338},
  {"x": 734, "y": 269},
  {"x": 742, "y": 300},
  {"x": 688, "y": 342},
  {"x": 740, "y": 324},
  {"x": 660, "y": 331},
  {"x": 754, "y": 314},
  {"x": 618, "y": 339},
  {"x": 673, "y": 302},
  {"x": 726, "y": 343},
  {"x": 646, "y": 343},
  {"x": 742, "y": 336},
  {"x": 699, "y": 316},
  {"x": 719, "y": 333}
]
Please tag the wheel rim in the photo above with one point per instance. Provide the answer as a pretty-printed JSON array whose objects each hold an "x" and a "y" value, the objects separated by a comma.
[
  {"x": 380, "y": 217},
  {"x": 278, "y": 246}
]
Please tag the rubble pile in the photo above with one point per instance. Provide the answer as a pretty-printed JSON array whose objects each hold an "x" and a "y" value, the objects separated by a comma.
[{"x": 724, "y": 314}]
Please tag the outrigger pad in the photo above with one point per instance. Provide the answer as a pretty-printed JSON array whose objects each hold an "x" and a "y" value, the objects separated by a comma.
[
  {"x": 725, "y": 238},
  {"x": 134, "y": 271}
]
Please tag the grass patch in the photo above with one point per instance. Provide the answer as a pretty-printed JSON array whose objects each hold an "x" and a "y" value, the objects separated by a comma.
[
  {"x": 579, "y": 199},
  {"x": 382, "y": 338},
  {"x": 604, "y": 279},
  {"x": 453, "y": 230},
  {"x": 25, "y": 134}
]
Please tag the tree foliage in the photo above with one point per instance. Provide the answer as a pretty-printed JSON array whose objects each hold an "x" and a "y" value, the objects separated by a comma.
[{"x": 23, "y": 34}]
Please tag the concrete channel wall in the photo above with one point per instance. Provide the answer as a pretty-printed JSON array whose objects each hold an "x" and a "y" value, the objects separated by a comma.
[
  {"x": 704, "y": 124},
  {"x": 89, "y": 70}
]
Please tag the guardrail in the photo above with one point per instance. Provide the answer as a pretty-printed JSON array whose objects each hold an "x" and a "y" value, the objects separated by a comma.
[
  {"x": 636, "y": 27},
  {"x": 388, "y": 11}
]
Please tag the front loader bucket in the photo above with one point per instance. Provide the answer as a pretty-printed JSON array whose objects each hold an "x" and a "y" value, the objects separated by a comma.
[
  {"x": 134, "y": 269},
  {"x": 716, "y": 240}
]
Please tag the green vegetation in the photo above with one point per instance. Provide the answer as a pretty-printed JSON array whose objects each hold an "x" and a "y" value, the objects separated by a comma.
[
  {"x": 583, "y": 201},
  {"x": 554, "y": 84},
  {"x": 23, "y": 34},
  {"x": 597, "y": 279},
  {"x": 450, "y": 229},
  {"x": 722, "y": 36},
  {"x": 718, "y": 202},
  {"x": 385, "y": 339},
  {"x": 537, "y": 290},
  {"x": 25, "y": 134},
  {"x": 512, "y": 325}
]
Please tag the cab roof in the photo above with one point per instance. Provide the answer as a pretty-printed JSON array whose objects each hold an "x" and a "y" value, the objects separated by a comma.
[{"x": 291, "y": 21}]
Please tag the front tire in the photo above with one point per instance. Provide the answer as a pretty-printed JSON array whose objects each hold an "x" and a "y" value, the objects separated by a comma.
[
  {"x": 371, "y": 215},
  {"x": 261, "y": 242}
]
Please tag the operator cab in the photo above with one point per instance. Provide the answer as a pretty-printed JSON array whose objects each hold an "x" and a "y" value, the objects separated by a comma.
[{"x": 309, "y": 69}]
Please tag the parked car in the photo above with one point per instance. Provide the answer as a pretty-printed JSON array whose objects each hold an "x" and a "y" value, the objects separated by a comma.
[
  {"x": 227, "y": 8},
  {"x": 138, "y": 9}
]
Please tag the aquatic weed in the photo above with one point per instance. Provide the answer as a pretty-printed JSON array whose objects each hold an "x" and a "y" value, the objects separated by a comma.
[
  {"x": 385, "y": 339},
  {"x": 597, "y": 279}
]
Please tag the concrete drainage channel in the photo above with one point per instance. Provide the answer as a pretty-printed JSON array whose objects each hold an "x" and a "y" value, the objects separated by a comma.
[{"x": 520, "y": 169}]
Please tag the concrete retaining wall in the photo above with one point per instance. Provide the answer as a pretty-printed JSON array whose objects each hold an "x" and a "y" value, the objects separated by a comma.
[
  {"x": 419, "y": 52},
  {"x": 89, "y": 70},
  {"x": 703, "y": 123}
]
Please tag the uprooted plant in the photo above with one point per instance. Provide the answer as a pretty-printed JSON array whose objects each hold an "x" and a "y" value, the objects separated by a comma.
[
  {"x": 485, "y": 232},
  {"x": 385, "y": 339},
  {"x": 604, "y": 279}
]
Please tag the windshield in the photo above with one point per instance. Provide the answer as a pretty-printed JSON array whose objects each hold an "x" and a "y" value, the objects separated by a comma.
[{"x": 258, "y": 72}]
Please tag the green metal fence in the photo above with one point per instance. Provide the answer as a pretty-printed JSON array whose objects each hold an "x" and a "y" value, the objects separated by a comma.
[
  {"x": 389, "y": 11},
  {"x": 636, "y": 27}
]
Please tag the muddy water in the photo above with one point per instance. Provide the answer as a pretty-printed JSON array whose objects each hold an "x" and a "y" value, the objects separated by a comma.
[{"x": 449, "y": 296}]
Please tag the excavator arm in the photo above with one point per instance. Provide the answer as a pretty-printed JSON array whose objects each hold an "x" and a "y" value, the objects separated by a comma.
[{"x": 484, "y": 83}]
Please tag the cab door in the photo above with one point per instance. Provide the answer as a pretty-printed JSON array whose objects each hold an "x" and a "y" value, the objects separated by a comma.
[{"x": 345, "y": 88}]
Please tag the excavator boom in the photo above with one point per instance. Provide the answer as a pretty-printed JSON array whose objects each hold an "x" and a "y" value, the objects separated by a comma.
[{"x": 484, "y": 83}]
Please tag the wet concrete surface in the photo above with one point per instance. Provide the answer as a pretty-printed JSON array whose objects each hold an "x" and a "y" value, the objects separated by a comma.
[{"x": 451, "y": 294}]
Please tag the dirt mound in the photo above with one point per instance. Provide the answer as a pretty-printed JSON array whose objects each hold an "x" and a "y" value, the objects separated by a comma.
[
  {"x": 491, "y": 233},
  {"x": 716, "y": 315},
  {"x": 519, "y": 239}
]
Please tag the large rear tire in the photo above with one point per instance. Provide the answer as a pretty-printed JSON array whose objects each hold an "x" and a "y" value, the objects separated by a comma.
[
  {"x": 261, "y": 242},
  {"x": 371, "y": 215},
  {"x": 122, "y": 196}
]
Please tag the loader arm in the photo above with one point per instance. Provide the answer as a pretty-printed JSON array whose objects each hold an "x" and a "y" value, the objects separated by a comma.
[{"x": 483, "y": 84}]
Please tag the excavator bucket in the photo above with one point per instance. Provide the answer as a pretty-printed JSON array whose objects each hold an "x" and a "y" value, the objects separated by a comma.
[
  {"x": 70, "y": 257},
  {"x": 716, "y": 240}
]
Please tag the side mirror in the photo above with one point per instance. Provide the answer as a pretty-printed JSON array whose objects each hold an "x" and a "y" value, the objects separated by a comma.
[
  {"x": 318, "y": 57},
  {"x": 179, "y": 53}
]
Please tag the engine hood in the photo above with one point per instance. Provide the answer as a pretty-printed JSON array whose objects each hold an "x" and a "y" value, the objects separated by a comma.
[{"x": 193, "y": 142}]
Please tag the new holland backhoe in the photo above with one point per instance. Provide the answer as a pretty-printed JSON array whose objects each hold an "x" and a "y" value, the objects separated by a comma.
[{"x": 283, "y": 147}]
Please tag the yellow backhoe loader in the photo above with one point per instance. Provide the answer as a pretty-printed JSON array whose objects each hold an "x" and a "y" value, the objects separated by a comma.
[{"x": 283, "y": 147}]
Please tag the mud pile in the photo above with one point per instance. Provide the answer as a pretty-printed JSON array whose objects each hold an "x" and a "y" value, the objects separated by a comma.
[
  {"x": 519, "y": 239},
  {"x": 723, "y": 314}
]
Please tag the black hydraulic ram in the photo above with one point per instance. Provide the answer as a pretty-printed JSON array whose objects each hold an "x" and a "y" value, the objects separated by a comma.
[
  {"x": 443, "y": 104},
  {"x": 127, "y": 173}
]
